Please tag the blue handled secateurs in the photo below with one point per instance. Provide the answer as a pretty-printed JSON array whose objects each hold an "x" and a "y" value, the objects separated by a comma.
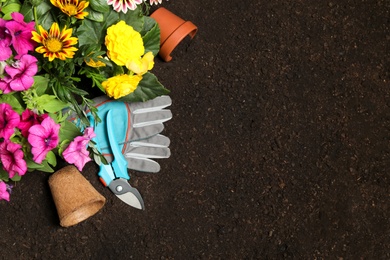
[{"x": 115, "y": 175}]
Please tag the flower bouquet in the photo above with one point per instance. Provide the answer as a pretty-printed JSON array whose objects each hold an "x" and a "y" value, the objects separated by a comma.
[{"x": 54, "y": 55}]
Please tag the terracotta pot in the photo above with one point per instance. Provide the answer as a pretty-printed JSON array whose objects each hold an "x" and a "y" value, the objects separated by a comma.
[
  {"x": 74, "y": 196},
  {"x": 173, "y": 30}
]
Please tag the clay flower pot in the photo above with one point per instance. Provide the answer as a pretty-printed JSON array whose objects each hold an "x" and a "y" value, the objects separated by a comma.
[
  {"x": 74, "y": 196},
  {"x": 173, "y": 30}
]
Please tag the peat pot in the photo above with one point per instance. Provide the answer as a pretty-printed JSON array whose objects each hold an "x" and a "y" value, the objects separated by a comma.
[{"x": 74, "y": 196}]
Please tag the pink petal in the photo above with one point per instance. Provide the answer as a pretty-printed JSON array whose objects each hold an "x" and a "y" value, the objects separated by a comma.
[
  {"x": 22, "y": 83},
  {"x": 37, "y": 131},
  {"x": 4, "y": 195},
  {"x": 38, "y": 154},
  {"x": 6, "y": 51}
]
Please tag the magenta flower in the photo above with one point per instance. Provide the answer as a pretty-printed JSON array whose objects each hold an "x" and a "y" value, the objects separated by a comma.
[
  {"x": 11, "y": 156},
  {"x": 5, "y": 41},
  {"x": 29, "y": 118},
  {"x": 89, "y": 133},
  {"x": 76, "y": 153},
  {"x": 4, "y": 83},
  {"x": 43, "y": 138},
  {"x": 5, "y": 191},
  {"x": 21, "y": 35},
  {"x": 20, "y": 74},
  {"x": 9, "y": 119},
  {"x": 6, "y": 51}
]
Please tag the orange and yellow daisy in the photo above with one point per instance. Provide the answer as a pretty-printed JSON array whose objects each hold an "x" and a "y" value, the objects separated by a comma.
[
  {"x": 55, "y": 43},
  {"x": 72, "y": 7}
]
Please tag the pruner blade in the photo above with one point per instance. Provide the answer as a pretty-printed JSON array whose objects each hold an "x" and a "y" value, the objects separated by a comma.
[{"x": 120, "y": 186}]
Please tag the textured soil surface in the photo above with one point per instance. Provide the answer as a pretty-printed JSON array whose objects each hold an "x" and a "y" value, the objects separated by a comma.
[{"x": 280, "y": 145}]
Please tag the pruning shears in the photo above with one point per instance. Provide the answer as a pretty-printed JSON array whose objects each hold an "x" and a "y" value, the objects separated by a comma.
[{"x": 115, "y": 175}]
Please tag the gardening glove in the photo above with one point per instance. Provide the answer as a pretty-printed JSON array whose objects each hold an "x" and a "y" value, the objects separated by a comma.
[{"x": 137, "y": 128}]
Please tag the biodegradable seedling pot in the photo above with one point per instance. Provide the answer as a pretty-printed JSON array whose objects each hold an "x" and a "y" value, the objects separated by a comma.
[
  {"x": 74, "y": 196},
  {"x": 173, "y": 30}
]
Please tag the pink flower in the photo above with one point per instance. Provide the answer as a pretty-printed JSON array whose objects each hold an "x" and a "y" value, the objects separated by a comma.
[
  {"x": 20, "y": 32},
  {"x": 11, "y": 156},
  {"x": 43, "y": 138},
  {"x": 5, "y": 41},
  {"x": 155, "y": 2},
  {"x": 5, "y": 191},
  {"x": 89, "y": 133},
  {"x": 124, "y": 5},
  {"x": 29, "y": 118},
  {"x": 6, "y": 51},
  {"x": 20, "y": 74},
  {"x": 9, "y": 119},
  {"x": 76, "y": 153}
]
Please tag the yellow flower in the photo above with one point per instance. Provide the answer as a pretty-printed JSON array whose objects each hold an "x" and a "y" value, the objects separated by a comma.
[
  {"x": 121, "y": 85},
  {"x": 72, "y": 7},
  {"x": 95, "y": 64},
  {"x": 56, "y": 43},
  {"x": 141, "y": 66},
  {"x": 123, "y": 43}
]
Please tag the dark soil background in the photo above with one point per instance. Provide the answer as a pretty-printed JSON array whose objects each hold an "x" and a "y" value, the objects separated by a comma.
[{"x": 280, "y": 145}]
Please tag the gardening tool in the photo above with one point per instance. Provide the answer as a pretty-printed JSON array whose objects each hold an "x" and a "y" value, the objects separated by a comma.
[
  {"x": 120, "y": 186},
  {"x": 115, "y": 176},
  {"x": 137, "y": 130}
]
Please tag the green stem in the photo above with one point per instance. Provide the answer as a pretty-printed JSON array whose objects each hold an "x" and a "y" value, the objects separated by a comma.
[{"x": 36, "y": 19}]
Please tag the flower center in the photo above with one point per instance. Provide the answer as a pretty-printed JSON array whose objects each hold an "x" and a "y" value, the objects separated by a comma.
[
  {"x": 47, "y": 141},
  {"x": 53, "y": 44},
  {"x": 70, "y": 9}
]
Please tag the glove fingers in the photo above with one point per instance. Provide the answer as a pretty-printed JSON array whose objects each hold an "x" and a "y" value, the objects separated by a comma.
[
  {"x": 143, "y": 165},
  {"x": 138, "y": 164},
  {"x": 137, "y": 135},
  {"x": 145, "y": 132},
  {"x": 148, "y": 152},
  {"x": 151, "y": 118},
  {"x": 155, "y": 104},
  {"x": 154, "y": 141}
]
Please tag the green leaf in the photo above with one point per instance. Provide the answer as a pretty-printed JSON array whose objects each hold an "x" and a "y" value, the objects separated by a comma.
[
  {"x": 27, "y": 11},
  {"x": 44, "y": 166},
  {"x": 50, "y": 103},
  {"x": 93, "y": 33},
  {"x": 148, "y": 88},
  {"x": 152, "y": 37},
  {"x": 77, "y": 91},
  {"x": 149, "y": 23},
  {"x": 96, "y": 158},
  {"x": 87, "y": 35},
  {"x": 68, "y": 131},
  {"x": 40, "y": 84},
  {"x": 134, "y": 18},
  {"x": 94, "y": 15},
  {"x": 51, "y": 158},
  {"x": 4, "y": 175},
  {"x": 13, "y": 101},
  {"x": 54, "y": 106},
  {"x": 9, "y": 9},
  {"x": 45, "y": 18},
  {"x": 99, "y": 5},
  {"x": 16, "y": 177}
]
